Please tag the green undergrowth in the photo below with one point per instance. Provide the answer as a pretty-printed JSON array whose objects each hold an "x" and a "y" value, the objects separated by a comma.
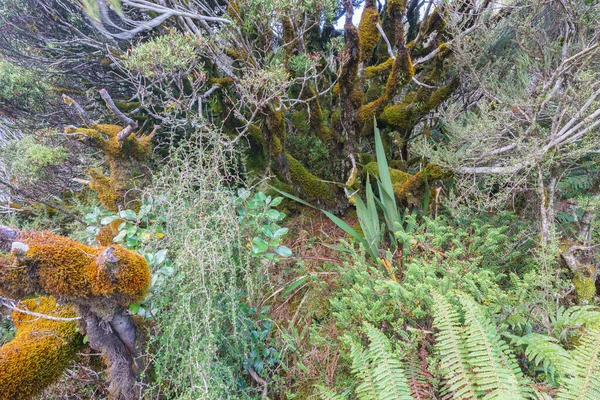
[
  {"x": 342, "y": 311},
  {"x": 206, "y": 315}
]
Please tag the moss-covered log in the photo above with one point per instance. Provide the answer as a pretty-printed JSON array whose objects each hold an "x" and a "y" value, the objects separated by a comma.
[
  {"x": 40, "y": 351},
  {"x": 100, "y": 282}
]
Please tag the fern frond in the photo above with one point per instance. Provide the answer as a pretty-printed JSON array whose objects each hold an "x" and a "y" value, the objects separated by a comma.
[
  {"x": 326, "y": 393},
  {"x": 418, "y": 375},
  {"x": 489, "y": 355},
  {"x": 574, "y": 317},
  {"x": 452, "y": 351},
  {"x": 361, "y": 368},
  {"x": 545, "y": 350},
  {"x": 387, "y": 372},
  {"x": 584, "y": 383}
]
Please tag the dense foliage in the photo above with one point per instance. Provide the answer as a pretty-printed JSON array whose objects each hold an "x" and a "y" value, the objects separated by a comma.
[{"x": 298, "y": 199}]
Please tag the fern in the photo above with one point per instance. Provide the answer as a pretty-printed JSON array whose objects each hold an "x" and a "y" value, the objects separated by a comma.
[
  {"x": 573, "y": 317},
  {"x": 495, "y": 370},
  {"x": 380, "y": 371},
  {"x": 584, "y": 381},
  {"x": 452, "y": 351},
  {"x": 326, "y": 393},
  {"x": 545, "y": 350},
  {"x": 361, "y": 368}
]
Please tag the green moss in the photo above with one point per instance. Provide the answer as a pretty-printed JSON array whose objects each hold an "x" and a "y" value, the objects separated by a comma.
[
  {"x": 127, "y": 106},
  {"x": 309, "y": 184},
  {"x": 368, "y": 34},
  {"x": 366, "y": 158},
  {"x": 585, "y": 287},
  {"x": 402, "y": 72},
  {"x": 375, "y": 70},
  {"x": 299, "y": 121},
  {"x": 396, "y": 175},
  {"x": 440, "y": 95},
  {"x": 373, "y": 92},
  {"x": 276, "y": 131},
  {"x": 413, "y": 188},
  {"x": 398, "y": 116},
  {"x": 435, "y": 22}
]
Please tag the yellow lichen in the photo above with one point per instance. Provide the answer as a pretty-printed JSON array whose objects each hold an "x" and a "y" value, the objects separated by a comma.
[{"x": 40, "y": 351}]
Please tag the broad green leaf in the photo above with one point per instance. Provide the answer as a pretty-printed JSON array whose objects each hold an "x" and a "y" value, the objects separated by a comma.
[
  {"x": 259, "y": 245},
  {"x": 283, "y": 251}
]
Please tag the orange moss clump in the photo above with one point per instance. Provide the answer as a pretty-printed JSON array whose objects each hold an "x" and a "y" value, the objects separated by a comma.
[
  {"x": 105, "y": 277},
  {"x": 122, "y": 156},
  {"x": 40, "y": 352}
]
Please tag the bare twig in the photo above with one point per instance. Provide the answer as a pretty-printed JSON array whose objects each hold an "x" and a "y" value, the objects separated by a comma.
[
  {"x": 10, "y": 304},
  {"x": 131, "y": 125},
  {"x": 111, "y": 105},
  {"x": 70, "y": 102},
  {"x": 387, "y": 41},
  {"x": 34, "y": 198},
  {"x": 260, "y": 381}
]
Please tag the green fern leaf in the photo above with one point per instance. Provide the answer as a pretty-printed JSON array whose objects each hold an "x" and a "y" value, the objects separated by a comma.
[
  {"x": 494, "y": 370},
  {"x": 387, "y": 372},
  {"x": 452, "y": 351},
  {"x": 545, "y": 350},
  {"x": 584, "y": 383},
  {"x": 361, "y": 368}
]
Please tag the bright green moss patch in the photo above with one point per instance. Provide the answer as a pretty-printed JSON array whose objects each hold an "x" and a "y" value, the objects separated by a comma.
[{"x": 585, "y": 287}]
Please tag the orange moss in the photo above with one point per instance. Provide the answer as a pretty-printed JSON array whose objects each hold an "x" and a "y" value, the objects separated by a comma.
[
  {"x": 105, "y": 236},
  {"x": 122, "y": 157},
  {"x": 40, "y": 352},
  {"x": 108, "y": 195},
  {"x": 69, "y": 270}
]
